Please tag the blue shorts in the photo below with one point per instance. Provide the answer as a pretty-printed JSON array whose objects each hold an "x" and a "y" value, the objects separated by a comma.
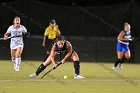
[{"x": 122, "y": 47}]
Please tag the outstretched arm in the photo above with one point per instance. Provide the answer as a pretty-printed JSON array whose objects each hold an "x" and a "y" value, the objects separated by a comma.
[
  {"x": 6, "y": 36},
  {"x": 52, "y": 55},
  {"x": 69, "y": 47}
]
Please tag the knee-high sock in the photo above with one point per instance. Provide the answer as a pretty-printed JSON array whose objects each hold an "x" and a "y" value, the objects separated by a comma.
[
  {"x": 40, "y": 69},
  {"x": 77, "y": 67},
  {"x": 13, "y": 61},
  {"x": 117, "y": 62},
  {"x": 17, "y": 61}
]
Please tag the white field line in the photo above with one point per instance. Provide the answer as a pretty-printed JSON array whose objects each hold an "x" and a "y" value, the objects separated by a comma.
[{"x": 66, "y": 80}]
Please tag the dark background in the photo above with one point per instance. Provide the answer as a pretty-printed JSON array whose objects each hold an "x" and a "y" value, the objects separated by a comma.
[{"x": 91, "y": 25}]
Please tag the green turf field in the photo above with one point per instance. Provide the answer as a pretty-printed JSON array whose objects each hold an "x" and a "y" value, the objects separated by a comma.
[{"x": 100, "y": 78}]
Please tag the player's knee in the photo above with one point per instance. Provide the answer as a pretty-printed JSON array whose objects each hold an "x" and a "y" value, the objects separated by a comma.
[
  {"x": 18, "y": 55},
  {"x": 127, "y": 58},
  {"x": 13, "y": 57},
  {"x": 46, "y": 63},
  {"x": 120, "y": 57},
  {"x": 75, "y": 59}
]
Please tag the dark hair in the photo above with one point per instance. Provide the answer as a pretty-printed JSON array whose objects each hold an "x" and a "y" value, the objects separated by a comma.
[
  {"x": 52, "y": 21},
  {"x": 15, "y": 18},
  {"x": 59, "y": 38}
]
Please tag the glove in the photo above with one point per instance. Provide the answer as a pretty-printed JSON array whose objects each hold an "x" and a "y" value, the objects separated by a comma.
[{"x": 27, "y": 34}]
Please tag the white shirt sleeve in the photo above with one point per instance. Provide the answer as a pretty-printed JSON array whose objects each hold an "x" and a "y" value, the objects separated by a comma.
[{"x": 24, "y": 29}]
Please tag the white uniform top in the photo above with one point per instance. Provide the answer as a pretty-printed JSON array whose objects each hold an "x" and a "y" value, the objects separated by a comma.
[
  {"x": 127, "y": 35},
  {"x": 16, "y": 41}
]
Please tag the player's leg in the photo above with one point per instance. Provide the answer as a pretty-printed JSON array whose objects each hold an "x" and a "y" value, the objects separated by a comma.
[
  {"x": 41, "y": 67},
  {"x": 125, "y": 58},
  {"x": 118, "y": 60},
  {"x": 13, "y": 57},
  {"x": 18, "y": 53},
  {"x": 76, "y": 63},
  {"x": 120, "y": 53},
  {"x": 126, "y": 55}
]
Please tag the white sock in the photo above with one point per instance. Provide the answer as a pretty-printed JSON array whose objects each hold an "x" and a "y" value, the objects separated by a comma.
[
  {"x": 14, "y": 63},
  {"x": 18, "y": 61}
]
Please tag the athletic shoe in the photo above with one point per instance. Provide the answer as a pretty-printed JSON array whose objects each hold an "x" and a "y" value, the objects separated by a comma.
[
  {"x": 33, "y": 75},
  {"x": 119, "y": 66},
  {"x": 116, "y": 68},
  {"x": 16, "y": 68},
  {"x": 78, "y": 76}
]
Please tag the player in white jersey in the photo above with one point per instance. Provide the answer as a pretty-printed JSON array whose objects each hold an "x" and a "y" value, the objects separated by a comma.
[{"x": 16, "y": 44}]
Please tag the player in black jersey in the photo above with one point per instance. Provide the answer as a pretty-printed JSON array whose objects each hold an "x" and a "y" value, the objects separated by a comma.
[{"x": 61, "y": 47}]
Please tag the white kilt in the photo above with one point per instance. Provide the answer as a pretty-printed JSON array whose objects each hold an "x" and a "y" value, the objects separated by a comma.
[{"x": 18, "y": 46}]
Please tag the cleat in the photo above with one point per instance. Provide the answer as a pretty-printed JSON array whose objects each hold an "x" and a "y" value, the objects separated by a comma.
[
  {"x": 119, "y": 66},
  {"x": 116, "y": 68},
  {"x": 78, "y": 76},
  {"x": 16, "y": 69},
  {"x": 33, "y": 75}
]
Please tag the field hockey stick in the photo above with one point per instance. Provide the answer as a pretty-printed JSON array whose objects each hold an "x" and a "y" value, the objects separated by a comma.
[
  {"x": 135, "y": 38},
  {"x": 8, "y": 38},
  {"x": 51, "y": 70},
  {"x": 132, "y": 39},
  {"x": 26, "y": 35}
]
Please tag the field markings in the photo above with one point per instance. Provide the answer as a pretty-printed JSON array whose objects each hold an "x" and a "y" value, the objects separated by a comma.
[{"x": 65, "y": 80}]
